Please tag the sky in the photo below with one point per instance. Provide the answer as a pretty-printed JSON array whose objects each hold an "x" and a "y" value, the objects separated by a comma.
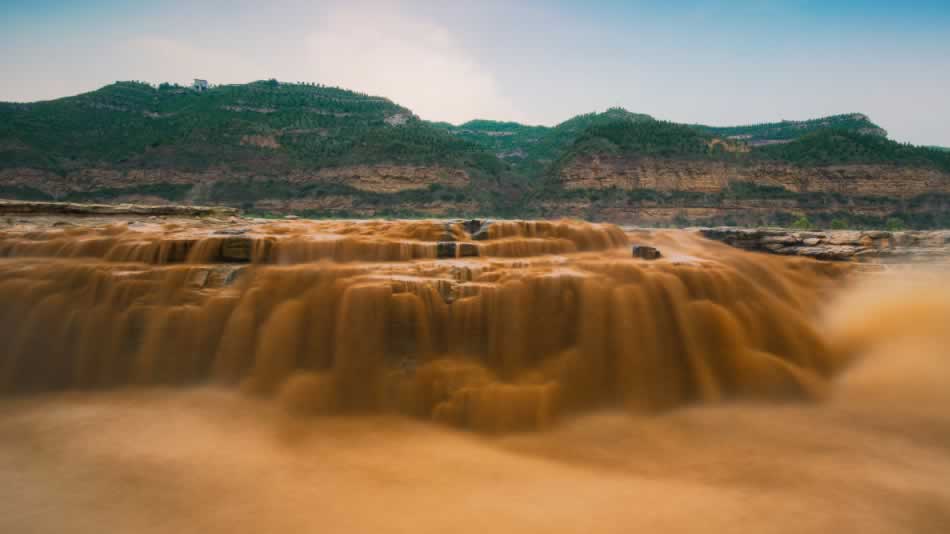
[{"x": 716, "y": 62}]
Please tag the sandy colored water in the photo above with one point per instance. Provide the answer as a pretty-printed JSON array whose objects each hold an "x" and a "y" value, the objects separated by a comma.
[
  {"x": 211, "y": 461},
  {"x": 529, "y": 389}
]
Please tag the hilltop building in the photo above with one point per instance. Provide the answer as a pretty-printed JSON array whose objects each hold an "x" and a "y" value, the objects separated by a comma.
[{"x": 200, "y": 85}]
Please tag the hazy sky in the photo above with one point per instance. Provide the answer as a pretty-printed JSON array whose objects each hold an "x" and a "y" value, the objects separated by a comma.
[{"x": 715, "y": 62}]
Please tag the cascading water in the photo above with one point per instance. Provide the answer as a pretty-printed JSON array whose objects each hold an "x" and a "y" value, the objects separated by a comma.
[
  {"x": 140, "y": 364},
  {"x": 504, "y": 331}
]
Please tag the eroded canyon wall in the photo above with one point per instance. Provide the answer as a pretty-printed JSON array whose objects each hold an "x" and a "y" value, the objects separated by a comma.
[
  {"x": 619, "y": 189},
  {"x": 373, "y": 178},
  {"x": 705, "y": 176}
]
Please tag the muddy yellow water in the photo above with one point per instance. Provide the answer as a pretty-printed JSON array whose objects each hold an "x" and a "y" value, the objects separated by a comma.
[{"x": 448, "y": 376}]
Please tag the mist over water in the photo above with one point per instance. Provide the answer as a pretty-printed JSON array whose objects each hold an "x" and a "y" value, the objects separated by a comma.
[{"x": 351, "y": 380}]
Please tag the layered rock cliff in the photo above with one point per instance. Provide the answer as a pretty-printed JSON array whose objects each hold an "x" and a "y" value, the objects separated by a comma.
[
  {"x": 370, "y": 178},
  {"x": 605, "y": 171}
]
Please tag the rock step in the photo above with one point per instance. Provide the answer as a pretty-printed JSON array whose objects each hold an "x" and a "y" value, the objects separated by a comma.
[
  {"x": 835, "y": 245},
  {"x": 645, "y": 252}
]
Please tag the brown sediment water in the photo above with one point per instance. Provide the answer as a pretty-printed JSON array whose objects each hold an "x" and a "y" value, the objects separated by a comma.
[
  {"x": 535, "y": 320},
  {"x": 159, "y": 377}
]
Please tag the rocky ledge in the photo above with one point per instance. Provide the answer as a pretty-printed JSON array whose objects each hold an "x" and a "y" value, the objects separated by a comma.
[
  {"x": 18, "y": 207},
  {"x": 838, "y": 245}
]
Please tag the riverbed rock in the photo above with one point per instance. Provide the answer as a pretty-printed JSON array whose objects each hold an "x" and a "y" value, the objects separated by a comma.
[
  {"x": 472, "y": 225},
  {"x": 236, "y": 249},
  {"x": 836, "y": 245},
  {"x": 468, "y": 250},
  {"x": 827, "y": 252},
  {"x": 477, "y": 228},
  {"x": 646, "y": 252},
  {"x": 448, "y": 232},
  {"x": 224, "y": 275},
  {"x": 446, "y": 249},
  {"x": 788, "y": 239},
  {"x": 198, "y": 278}
]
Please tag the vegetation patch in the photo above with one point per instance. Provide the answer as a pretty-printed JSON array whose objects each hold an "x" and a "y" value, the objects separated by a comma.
[
  {"x": 20, "y": 192},
  {"x": 170, "y": 192}
]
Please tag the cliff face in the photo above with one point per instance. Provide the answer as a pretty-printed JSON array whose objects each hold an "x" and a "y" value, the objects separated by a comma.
[
  {"x": 369, "y": 178},
  {"x": 870, "y": 246},
  {"x": 650, "y": 190},
  {"x": 603, "y": 188},
  {"x": 387, "y": 178},
  {"x": 702, "y": 176},
  {"x": 343, "y": 205}
]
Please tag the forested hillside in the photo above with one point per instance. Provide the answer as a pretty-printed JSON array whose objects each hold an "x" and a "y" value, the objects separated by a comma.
[
  {"x": 279, "y": 147},
  {"x": 775, "y": 132},
  {"x": 262, "y": 125}
]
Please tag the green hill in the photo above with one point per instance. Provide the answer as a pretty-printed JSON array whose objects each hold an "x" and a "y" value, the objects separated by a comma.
[
  {"x": 530, "y": 150},
  {"x": 241, "y": 144},
  {"x": 839, "y": 146},
  {"x": 273, "y": 128},
  {"x": 775, "y": 132},
  {"x": 818, "y": 147},
  {"x": 641, "y": 138},
  {"x": 265, "y": 126}
]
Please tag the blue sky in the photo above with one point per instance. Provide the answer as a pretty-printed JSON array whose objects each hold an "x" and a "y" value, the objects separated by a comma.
[{"x": 716, "y": 62}]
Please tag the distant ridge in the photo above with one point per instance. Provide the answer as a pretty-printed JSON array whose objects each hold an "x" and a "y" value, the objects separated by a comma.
[
  {"x": 784, "y": 131},
  {"x": 320, "y": 150},
  {"x": 285, "y": 126}
]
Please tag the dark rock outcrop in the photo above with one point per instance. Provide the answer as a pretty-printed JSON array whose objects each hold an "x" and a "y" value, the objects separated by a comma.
[
  {"x": 446, "y": 249},
  {"x": 645, "y": 252},
  {"x": 835, "y": 245},
  {"x": 236, "y": 249},
  {"x": 477, "y": 229},
  {"x": 468, "y": 250}
]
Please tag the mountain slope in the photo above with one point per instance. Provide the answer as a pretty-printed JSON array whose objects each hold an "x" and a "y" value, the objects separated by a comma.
[
  {"x": 532, "y": 149},
  {"x": 261, "y": 125},
  {"x": 785, "y": 131},
  {"x": 323, "y": 151}
]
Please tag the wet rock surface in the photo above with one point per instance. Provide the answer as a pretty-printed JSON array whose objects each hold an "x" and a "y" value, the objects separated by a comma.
[
  {"x": 838, "y": 245},
  {"x": 446, "y": 249},
  {"x": 468, "y": 250},
  {"x": 645, "y": 252},
  {"x": 478, "y": 229}
]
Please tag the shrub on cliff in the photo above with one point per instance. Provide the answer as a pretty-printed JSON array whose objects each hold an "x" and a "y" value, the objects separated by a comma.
[
  {"x": 838, "y": 146},
  {"x": 802, "y": 223},
  {"x": 894, "y": 224},
  {"x": 647, "y": 137},
  {"x": 839, "y": 223}
]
